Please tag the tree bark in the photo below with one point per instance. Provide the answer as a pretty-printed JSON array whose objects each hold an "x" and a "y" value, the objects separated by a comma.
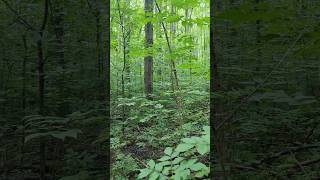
[
  {"x": 148, "y": 59},
  {"x": 58, "y": 24},
  {"x": 217, "y": 138},
  {"x": 41, "y": 81},
  {"x": 99, "y": 38},
  {"x": 23, "y": 94}
]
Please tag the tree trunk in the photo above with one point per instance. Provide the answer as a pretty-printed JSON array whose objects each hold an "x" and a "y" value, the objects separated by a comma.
[
  {"x": 148, "y": 59},
  {"x": 215, "y": 106},
  {"x": 258, "y": 39},
  {"x": 23, "y": 94},
  {"x": 58, "y": 22},
  {"x": 99, "y": 38},
  {"x": 173, "y": 73},
  {"x": 41, "y": 82}
]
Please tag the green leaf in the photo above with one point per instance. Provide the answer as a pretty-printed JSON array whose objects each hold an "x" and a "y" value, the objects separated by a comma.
[
  {"x": 189, "y": 140},
  {"x": 159, "y": 167},
  {"x": 154, "y": 175},
  {"x": 69, "y": 133},
  {"x": 182, "y": 174},
  {"x": 206, "y": 129},
  {"x": 151, "y": 164},
  {"x": 190, "y": 162},
  {"x": 175, "y": 154},
  {"x": 73, "y": 133},
  {"x": 197, "y": 166},
  {"x": 168, "y": 151},
  {"x": 162, "y": 177},
  {"x": 177, "y": 160},
  {"x": 144, "y": 173},
  {"x": 166, "y": 170},
  {"x": 203, "y": 172},
  {"x": 164, "y": 158},
  {"x": 184, "y": 147},
  {"x": 33, "y": 136},
  {"x": 206, "y": 138},
  {"x": 165, "y": 163},
  {"x": 203, "y": 148}
]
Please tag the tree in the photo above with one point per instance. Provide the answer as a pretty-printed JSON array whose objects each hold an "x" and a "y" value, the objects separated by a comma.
[
  {"x": 53, "y": 62},
  {"x": 148, "y": 59},
  {"x": 41, "y": 85},
  {"x": 215, "y": 116}
]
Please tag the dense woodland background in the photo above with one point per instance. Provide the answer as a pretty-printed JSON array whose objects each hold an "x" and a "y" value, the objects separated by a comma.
[
  {"x": 268, "y": 104},
  {"x": 265, "y": 89},
  {"x": 52, "y": 109}
]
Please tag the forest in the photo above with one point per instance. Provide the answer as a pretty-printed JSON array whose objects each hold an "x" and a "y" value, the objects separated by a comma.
[{"x": 159, "y": 89}]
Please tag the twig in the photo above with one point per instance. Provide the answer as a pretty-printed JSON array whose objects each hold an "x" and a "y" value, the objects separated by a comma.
[
  {"x": 306, "y": 163},
  {"x": 141, "y": 162},
  {"x": 285, "y": 152},
  {"x": 298, "y": 162}
]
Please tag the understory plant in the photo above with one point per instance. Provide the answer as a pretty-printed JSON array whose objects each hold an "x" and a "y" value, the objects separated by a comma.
[{"x": 186, "y": 161}]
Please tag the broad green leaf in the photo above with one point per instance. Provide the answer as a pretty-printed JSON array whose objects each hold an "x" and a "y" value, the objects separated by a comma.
[
  {"x": 183, "y": 147},
  {"x": 197, "y": 166},
  {"x": 144, "y": 173},
  {"x": 177, "y": 160},
  {"x": 33, "y": 136},
  {"x": 73, "y": 133},
  {"x": 166, "y": 170},
  {"x": 168, "y": 151},
  {"x": 203, "y": 148},
  {"x": 189, "y": 140},
  {"x": 159, "y": 167},
  {"x": 206, "y": 129},
  {"x": 154, "y": 175},
  {"x": 151, "y": 164},
  {"x": 165, "y": 163},
  {"x": 175, "y": 154},
  {"x": 164, "y": 158}
]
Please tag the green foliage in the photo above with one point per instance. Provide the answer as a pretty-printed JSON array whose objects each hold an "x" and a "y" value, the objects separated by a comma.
[
  {"x": 268, "y": 71},
  {"x": 123, "y": 166},
  {"x": 39, "y": 126},
  {"x": 181, "y": 162}
]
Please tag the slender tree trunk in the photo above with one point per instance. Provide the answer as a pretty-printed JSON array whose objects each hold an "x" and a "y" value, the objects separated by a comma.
[
  {"x": 124, "y": 49},
  {"x": 99, "y": 40},
  {"x": 57, "y": 9},
  {"x": 173, "y": 72},
  {"x": 258, "y": 39},
  {"x": 215, "y": 106},
  {"x": 23, "y": 94},
  {"x": 128, "y": 64},
  {"x": 41, "y": 81},
  {"x": 148, "y": 59},
  {"x": 187, "y": 31},
  {"x": 24, "y": 64},
  {"x": 58, "y": 21}
]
